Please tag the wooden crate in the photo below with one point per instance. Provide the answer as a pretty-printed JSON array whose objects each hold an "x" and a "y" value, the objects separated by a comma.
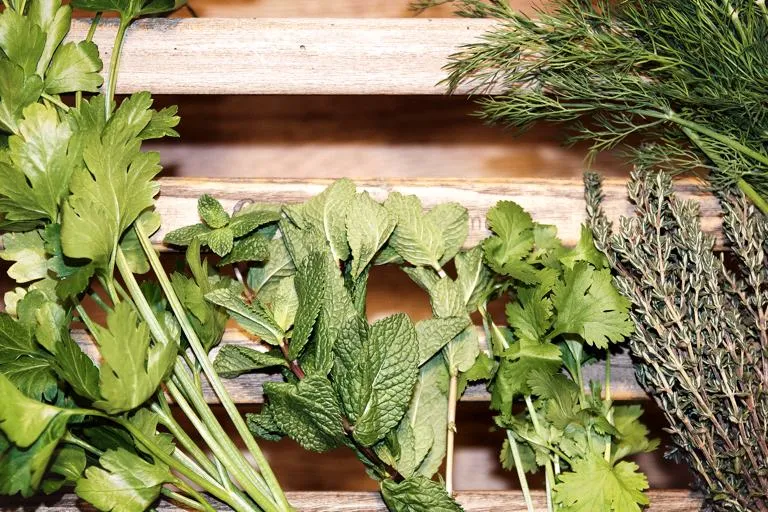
[{"x": 393, "y": 62}]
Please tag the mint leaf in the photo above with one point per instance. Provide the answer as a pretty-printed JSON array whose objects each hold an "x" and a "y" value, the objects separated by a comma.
[
  {"x": 221, "y": 241},
  {"x": 310, "y": 287},
  {"x": 417, "y": 238},
  {"x": 473, "y": 277},
  {"x": 127, "y": 483},
  {"x": 453, "y": 221},
  {"x": 369, "y": 225},
  {"x": 233, "y": 361},
  {"x": 417, "y": 494},
  {"x": 254, "y": 318},
  {"x": 278, "y": 265},
  {"x": 211, "y": 211},
  {"x": 308, "y": 412},
  {"x": 434, "y": 333},
  {"x": 387, "y": 369},
  {"x": 593, "y": 481},
  {"x": 132, "y": 368},
  {"x": 254, "y": 247},
  {"x": 327, "y": 212},
  {"x": 587, "y": 304},
  {"x": 129, "y": 9},
  {"x": 446, "y": 299}
]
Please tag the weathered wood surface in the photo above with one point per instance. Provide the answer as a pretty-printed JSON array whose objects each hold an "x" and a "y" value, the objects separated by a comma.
[
  {"x": 472, "y": 501},
  {"x": 247, "y": 389},
  {"x": 273, "y": 56},
  {"x": 556, "y": 202}
]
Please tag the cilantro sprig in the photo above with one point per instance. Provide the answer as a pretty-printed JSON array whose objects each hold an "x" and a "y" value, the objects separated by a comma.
[{"x": 563, "y": 313}]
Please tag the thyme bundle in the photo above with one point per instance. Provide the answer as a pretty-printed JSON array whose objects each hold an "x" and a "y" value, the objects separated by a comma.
[{"x": 701, "y": 338}]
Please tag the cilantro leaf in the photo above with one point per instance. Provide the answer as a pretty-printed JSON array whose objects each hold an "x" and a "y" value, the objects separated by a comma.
[
  {"x": 593, "y": 481},
  {"x": 587, "y": 304},
  {"x": 517, "y": 364},
  {"x": 506, "y": 252},
  {"x": 585, "y": 250}
]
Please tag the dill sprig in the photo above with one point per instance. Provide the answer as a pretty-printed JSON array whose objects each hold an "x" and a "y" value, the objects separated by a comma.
[
  {"x": 701, "y": 338},
  {"x": 685, "y": 82}
]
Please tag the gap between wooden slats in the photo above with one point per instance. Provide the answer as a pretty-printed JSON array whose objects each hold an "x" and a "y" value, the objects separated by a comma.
[
  {"x": 290, "y": 56},
  {"x": 472, "y": 501}
]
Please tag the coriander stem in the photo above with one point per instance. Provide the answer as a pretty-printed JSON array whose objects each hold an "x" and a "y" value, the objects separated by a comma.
[
  {"x": 180, "y": 498},
  {"x": 210, "y": 373},
  {"x": 550, "y": 484},
  {"x": 453, "y": 386},
  {"x": 520, "y": 471},
  {"x": 607, "y": 453},
  {"x": 114, "y": 62}
]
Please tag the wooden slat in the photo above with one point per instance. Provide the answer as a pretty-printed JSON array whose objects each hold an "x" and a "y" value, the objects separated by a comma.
[
  {"x": 556, "y": 202},
  {"x": 247, "y": 389},
  {"x": 298, "y": 56},
  {"x": 472, "y": 501}
]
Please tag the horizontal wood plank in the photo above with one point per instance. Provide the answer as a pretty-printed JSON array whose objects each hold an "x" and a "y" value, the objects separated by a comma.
[
  {"x": 273, "y": 56},
  {"x": 247, "y": 389},
  {"x": 472, "y": 501},
  {"x": 556, "y": 202}
]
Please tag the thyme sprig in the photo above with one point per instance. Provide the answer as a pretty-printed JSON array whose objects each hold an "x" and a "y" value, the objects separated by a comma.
[{"x": 701, "y": 338}]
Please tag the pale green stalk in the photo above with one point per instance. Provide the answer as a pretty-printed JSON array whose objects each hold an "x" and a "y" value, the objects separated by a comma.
[
  {"x": 114, "y": 62},
  {"x": 181, "y": 499},
  {"x": 607, "y": 453},
  {"x": 451, "y": 430},
  {"x": 210, "y": 373},
  {"x": 520, "y": 471}
]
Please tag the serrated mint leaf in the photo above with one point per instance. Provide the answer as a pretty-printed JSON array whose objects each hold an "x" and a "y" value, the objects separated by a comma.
[
  {"x": 388, "y": 256},
  {"x": 310, "y": 287},
  {"x": 587, "y": 304},
  {"x": 446, "y": 298},
  {"x": 211, "y": 211},
  {"x": 75, "y": 67},
  {"x": 124, "y": 483},
  {"x": 327, "y": 212},
  {"x": 253, "y": 247},
  {"x": 434, "y": 333},
  {"x": 388, "y": 370},
  {"x": 453, "y": 221},
  {"x": 263, "y": 425},
  {"x": 594, "y": 482},
  {"x": 251, "y": 219},
  {"x": 426, "y": 278},
  {"x": 461, "y": 352},
  {"x": 417, "y": 494},
  {"x": 369, "y": 225},
  {"x": 184, "y": 236},
  {"x": 254, "y": 318},
  {"x": 279, "y": 265},
  {"x": 27, "y": 252},
  {"x": 132, "y": 367},
  {"x": 233, "y": 361},
  {"x": 220, "y": 241},
  {"x": 308, "y": 412},
  {"x": 417, "y": 238},
  {"x": 473, "y": 277},
  {"x": 282, "y": 301}
]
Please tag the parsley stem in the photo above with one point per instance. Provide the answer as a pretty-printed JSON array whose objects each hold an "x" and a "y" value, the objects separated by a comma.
[
  {"x": 114, "y": 62},
  {"x": 181, "y": 499},
  {"x": 210, "y": 373},
  {"x": 453, "y": 386},
  {"x": 181, "y": 435},
  {"x": 69, "y": 438},
  {"x": 550, "y": 484},
  {"x": 55, "y": 101},
  {"x": 609, "y": 416},
  {"x": 520, "y": 471},
  {"x": 183, "y": 486}
]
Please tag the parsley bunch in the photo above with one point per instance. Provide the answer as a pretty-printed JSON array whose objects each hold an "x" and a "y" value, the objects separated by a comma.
[
  {"x": 386, "y": 390},
  {"x": 683, "y": 82},
  {"x": 563, "y": 313},
  {"x": 76, "y": 199}
]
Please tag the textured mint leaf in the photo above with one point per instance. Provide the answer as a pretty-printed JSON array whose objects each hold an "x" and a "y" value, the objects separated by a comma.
[
  {"x": 43, "y": 158},
  {"x": 253, "y": 247},
  {"x": 282, "y": 301},
  {"x": 131, "y": 367},
  {"x": 453, "y": 221},
  {"x": 388, "y": 371},
  {"x": 445, "y": 296},
  {"x": 279, "y": 265},
  {"x": 369, "y": 226},
  {"x": 263, "y": 425},
  {"x": 76, "y": 368},
  {"x": 233, "y": 361},
  {"x": 426, "y": 278},
  {"x": 434, "y": 333},
  {"x": 254, "y": 318},
  {"x": 594, "y": 484},
  {"x": 461, "y": 352},
  {"x": 308, "y": 412},
  {"x": 184, "y": 236},
  {"x": 327, "y": 212},
  {"x": 75, "y": 67},
  {"x": 310, "y": 287},
  {"x": 417, "y": 494},
  {"x": 473, "y": 277},
  {"x": 246, "y": 221},
  {"x": 418, "y": 239},
  {"x": 27, "y": 252},
  {"x": 587, "y": 304},
  {"x": 124, "y": 483},
  {"x": 17, "y": 91},
  {"x": 211, "y": 211},
  {"x": 585, "y": 250},
  {"x": 221, "y": 241}
]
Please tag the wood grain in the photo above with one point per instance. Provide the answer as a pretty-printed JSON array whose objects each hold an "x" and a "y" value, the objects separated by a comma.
[
  {"x": 472, "y": 501},
  {"x": 247, "y": 389},
  {"x": 297, "y": 56},
  {"x": 556, "y": 202}
]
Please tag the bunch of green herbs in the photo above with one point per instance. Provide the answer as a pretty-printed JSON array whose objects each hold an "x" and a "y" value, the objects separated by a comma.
[
  {"x": 563, "y": 314},
  {"x": 701, "y": 341},
  {"x": 76, "y": 203}
]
